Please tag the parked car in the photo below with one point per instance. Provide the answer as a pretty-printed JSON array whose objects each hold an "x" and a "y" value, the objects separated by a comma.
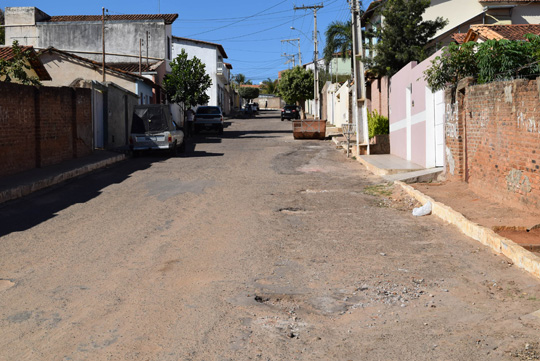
[
  {"x": 256, "y": 107},
  {"x": 290, "y": 112},
  {"x": 208, "y": 117},
  {"x": 152, "y": 128},
  {"x": 249, "y": 110}
]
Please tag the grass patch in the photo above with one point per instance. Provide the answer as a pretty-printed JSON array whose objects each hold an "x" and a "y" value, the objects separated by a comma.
[{"x": 379, "y": 190}]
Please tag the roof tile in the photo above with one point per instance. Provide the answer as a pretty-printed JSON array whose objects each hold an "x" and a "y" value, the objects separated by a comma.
[{"x": 169, "y": 18}]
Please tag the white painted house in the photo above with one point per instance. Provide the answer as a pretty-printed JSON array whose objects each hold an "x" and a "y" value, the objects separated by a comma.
[{"x": 212, "y": 56}]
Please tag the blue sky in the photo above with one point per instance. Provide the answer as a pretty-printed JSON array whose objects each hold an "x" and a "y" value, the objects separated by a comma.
[{"x": 250, "y": 31}]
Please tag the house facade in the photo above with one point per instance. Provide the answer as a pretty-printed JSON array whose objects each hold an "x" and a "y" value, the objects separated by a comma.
[
  {"x": 128, "y": 38},
  {"x": 212, "y": 56},
  {"x": 67, "y": 69}
]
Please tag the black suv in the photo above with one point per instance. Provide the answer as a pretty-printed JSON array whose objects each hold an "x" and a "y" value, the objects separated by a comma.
[{"x": 290, "y": 112}]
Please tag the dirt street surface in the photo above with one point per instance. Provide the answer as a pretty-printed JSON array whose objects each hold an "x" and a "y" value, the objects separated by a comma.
[{"x": 253, "y": 247}]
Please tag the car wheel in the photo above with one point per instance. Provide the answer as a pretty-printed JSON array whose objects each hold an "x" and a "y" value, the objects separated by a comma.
[
  {"x": 182, "y": 148},
  {"x": 174, "y": 150},
  {"x": 281, "y": 118}
]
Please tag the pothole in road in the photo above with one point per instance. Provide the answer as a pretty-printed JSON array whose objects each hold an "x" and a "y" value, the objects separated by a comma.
[
  {"x": 5, "y": 284},
  {"x": 292, "y": 210},
  {"x": 313, "y": 191}
]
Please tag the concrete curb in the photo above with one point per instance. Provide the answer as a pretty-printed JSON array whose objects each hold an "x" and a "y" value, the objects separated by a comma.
[
  {"x": 25, "y": 189},
  {"x": 519, "y": 255}
]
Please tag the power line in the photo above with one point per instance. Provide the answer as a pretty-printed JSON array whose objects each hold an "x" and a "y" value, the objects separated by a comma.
[{"x": 240, "y": 20}]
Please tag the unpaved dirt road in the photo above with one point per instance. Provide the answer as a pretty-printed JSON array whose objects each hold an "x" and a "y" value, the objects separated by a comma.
[{"x": 254, "y": 247}]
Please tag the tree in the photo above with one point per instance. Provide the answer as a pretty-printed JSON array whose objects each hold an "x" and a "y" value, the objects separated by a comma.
[
  {"x": 240, "y": 79},
  {"x": 488, "y": 61},
  {"x": 269, "y": 86},
  {"x": 338, "y": 40},
  {"x": 404, "y": 35},
  {"x": 248, "y": 93},
  {"x": 296, "y": 86},
  {"x": 15, "y": 69},
  {"x": 188, "y": 81}
]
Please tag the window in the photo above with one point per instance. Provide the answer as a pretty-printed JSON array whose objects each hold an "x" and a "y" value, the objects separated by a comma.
[{"x": 168, "y": 47}]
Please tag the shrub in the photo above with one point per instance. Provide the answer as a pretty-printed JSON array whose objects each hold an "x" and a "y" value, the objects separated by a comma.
[{"x": 377, "y": 124}]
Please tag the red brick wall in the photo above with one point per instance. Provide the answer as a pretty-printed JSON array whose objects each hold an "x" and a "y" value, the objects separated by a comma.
[
  {"x": 42, "y": 126},
  {"x": 377, "y": 95},
  {"x": 499, "y": 140}
]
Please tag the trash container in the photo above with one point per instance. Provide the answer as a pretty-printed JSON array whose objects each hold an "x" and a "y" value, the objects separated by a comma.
[{"x": 309, "y": 129}]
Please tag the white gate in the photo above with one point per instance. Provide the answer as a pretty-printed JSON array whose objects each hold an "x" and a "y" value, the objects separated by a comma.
[{"x": 439, "y": 128}]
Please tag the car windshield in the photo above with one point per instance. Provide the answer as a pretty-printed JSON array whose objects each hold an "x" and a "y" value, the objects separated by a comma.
[
  {"x": 208, "y": 110},
  {"x": 290, "y": 107}
]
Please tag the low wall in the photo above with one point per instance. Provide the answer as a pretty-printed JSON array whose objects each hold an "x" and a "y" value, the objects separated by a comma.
[
  {"x": 42, "y": 126},
  {"x": 493, "y": 138}
]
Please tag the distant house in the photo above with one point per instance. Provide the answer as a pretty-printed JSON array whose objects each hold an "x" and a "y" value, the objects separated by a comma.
[
  {"x": 128, "y": 38},
  {"x": 212, "y": 55},
  {"x": 35, "y": 66},
  {"x": 112, "y": 101},
  {"x": 67, "y": 69},
  {"x": 461, "y": 16},
  {"x": 481, "y": 33}
]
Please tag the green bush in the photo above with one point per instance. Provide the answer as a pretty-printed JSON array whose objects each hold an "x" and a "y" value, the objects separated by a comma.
[{"x": 377, "y": 124}]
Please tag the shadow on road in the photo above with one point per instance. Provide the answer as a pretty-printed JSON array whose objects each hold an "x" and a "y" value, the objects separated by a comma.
[
  {"x": 243, "y": 134},
  {"x": 28, "y": 212}
]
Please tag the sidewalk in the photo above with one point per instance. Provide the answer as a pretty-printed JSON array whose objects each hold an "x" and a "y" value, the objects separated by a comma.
[
  {"x": 24, "y": 183},
  {"x": 484, "y": 216}
]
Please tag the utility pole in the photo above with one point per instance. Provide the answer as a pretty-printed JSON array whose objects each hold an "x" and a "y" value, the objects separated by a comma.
[
  {"x": 299, "y": 53},
  {"x": 103, "y": 41},
  {"x": 147, "y": 37},
  {"x": 290, "y": 58},
  {"x": 359, "y": 90},
  {"x": 316, "y": 54}
]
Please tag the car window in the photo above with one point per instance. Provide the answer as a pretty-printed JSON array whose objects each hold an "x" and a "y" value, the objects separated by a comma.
[{"x": 208, "y": 110}]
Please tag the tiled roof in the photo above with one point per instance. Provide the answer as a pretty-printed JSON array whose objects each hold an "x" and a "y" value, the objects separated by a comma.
[
  {"x": 6, "y": 53},
  {"x": 370, "y": 10},
  {"x": 95, "y": 63},
  {"x": 499, "y": 32},
  {"x": 169, "y": 18},
  {"x": 459, "y": 37},
  {"x": 229, "y": 66},
  {"x": 219, "y": 46},
  {"x": 134, "y": 67}
]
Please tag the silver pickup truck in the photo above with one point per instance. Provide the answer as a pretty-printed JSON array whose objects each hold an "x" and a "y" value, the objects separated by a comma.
[{"x": 152, "y": 128}]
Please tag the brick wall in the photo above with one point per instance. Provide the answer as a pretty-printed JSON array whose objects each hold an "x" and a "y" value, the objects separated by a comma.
[
  {"x": 493, "y": 140},
  {"x": 42, "y": 126}
]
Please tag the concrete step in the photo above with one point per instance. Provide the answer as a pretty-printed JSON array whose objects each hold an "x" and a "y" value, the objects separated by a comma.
[{"x": 420, "y": 176}]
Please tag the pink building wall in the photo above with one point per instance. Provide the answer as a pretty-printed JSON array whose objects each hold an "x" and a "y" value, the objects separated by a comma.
[{"x": 408, "y": 132}]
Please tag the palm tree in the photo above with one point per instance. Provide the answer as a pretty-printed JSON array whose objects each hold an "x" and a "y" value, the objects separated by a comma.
[
  {"x": 240, "y": 79},
  {"x": 338, "y": 40},
  {"x": 270, "y": 86}
]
